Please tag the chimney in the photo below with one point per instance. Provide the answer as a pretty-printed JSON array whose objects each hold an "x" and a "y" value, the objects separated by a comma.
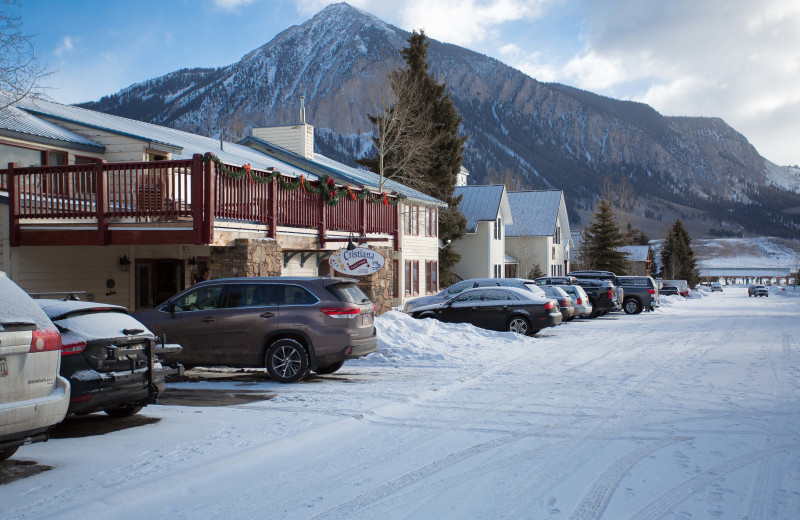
[{"x": 296, "y": 138}]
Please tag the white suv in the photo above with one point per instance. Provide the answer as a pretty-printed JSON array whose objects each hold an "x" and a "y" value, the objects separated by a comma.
[{"x": 33, "y": 396}]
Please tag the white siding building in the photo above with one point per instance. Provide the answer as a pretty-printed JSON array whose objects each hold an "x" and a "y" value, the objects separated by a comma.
[{"x": 540, "y": 233}]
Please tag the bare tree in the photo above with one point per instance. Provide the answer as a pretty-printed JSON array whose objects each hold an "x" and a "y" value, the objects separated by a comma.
[
  {"x": 404, "y": 137},
  {"x": 619, "y": 195},
  {"x": 19, "y": 71}
]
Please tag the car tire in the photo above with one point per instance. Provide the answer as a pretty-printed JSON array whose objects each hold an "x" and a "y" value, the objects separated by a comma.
[
  {"x": 287, "y": 361},
  {"x": 123, "y": 410},
  {"x": 329, "y": 369},
  {"x": 519, "y": 324},
  {"x": 632, "y": 306},
  {"x": 5, "y": 453}
]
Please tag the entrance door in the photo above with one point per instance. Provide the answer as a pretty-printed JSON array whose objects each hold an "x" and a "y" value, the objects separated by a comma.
[{"x": 156, "y": 281}]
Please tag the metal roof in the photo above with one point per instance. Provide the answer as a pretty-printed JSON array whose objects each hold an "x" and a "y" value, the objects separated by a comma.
[
  {"x": 480, "y": 203},
  {"x": 535, "y": 213},
  {"x": 22, "y": 125},
  {"x": 181, "y": 144},
  {"x": 635, "y": 253}
]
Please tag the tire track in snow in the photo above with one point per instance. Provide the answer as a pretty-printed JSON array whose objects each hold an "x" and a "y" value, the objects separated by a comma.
[
  {"x": 665, "y": 503},
  {"x": 595, "y": 500},
  {"x": 762, "y": 503}
]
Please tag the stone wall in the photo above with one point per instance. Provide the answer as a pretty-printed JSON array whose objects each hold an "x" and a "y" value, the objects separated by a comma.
[
  {"x": 246, "y": 257},
  {"x": 378, "y": 286}
]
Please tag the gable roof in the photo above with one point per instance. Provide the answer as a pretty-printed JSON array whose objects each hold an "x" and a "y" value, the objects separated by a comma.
[
  {"x": 635, "y": 253},
  {"x": 480, "y": 203},
  {"x": 322, "y": 165},
  {"x": 18, "y": 124},
  {"x": 181, "y": 144},
  {"x": 535, "y": 212}
]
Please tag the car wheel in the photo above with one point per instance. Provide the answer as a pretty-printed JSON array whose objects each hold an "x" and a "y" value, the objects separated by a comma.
[
  {"x": 519, "y": 325},
  {"x": 7, "y": 452},
  {"x": 287, "y": 361},
  {"x": 632, "y": 306},
  {"x": 329, "y": 369},
  {"x": 123, "y": 410}
]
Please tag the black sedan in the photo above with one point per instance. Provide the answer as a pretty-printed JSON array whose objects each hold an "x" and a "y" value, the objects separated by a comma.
[
  {"x": 496, "y": 308},
  {"x": 108, "y": 356}
]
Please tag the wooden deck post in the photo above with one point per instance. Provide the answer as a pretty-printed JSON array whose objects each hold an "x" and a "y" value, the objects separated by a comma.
[
  {"x": 101, "y": 202},
  {"x": 208, "y": 200},
  {"x": 272, "y": 209},
  {"x": 197, "y": 198},
  {"x": 362, "y": 217},
  {"x": 396, "y": 227},
  {"x": 13, "y": 206},
  {"x": 323, "y": 221}
]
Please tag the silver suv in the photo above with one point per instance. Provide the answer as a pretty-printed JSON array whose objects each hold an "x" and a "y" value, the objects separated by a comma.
[
  {"x": 288, "y": 325},
  {"x": 33, "y": 396}
]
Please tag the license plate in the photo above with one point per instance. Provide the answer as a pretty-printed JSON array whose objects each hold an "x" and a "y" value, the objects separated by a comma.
[
  {"x": 366, "y": 319},
  {"x": 3, "y": 367}
]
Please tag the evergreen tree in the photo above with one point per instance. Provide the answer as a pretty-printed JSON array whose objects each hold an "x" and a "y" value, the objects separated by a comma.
[
  {"x": 440, "y": 176},
  {"x": 535, "y": 272},
  {"x": 602, "y": 238},
  {"x": 635, "y": 236},
  {"x": 677, "y": 256}
]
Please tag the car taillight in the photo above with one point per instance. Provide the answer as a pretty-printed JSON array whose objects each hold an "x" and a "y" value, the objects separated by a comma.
[
  {"x": 73, "y": 348},
  {"x": 580, "y": 301},
  {"x": 45, "y": 340},
  {"x": 610, "y": 294},
  {"x": 342, "y": 312},
  {"x": 564, "y": 302},
  {"x": 651, "y": 291},
  {"x": 548, "y": 305}
]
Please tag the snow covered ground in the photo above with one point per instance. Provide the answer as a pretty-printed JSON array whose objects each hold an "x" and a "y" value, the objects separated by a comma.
[{"x": 689, "y": 412}]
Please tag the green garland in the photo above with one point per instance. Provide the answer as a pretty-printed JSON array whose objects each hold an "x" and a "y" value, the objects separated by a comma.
[{"x": 326, "y": 186}]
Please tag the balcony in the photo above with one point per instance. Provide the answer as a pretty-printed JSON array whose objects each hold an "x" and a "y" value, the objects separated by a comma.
[{"x": 176, "y": 202}]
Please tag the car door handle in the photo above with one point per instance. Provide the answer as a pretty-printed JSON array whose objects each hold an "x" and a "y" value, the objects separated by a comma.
[
  {"x": 267, "y": 314},
  {"x": 208, "y": 320}
]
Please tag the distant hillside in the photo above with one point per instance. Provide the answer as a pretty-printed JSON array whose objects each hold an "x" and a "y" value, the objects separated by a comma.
[{"x": 549, "y": 135}]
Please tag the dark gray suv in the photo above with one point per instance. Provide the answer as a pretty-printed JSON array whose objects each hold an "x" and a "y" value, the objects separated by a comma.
[{"x": 288, "y": 325}]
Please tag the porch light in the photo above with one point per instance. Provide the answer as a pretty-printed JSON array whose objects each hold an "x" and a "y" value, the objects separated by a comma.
[
  {"x": 350, "y": 244},
  {"x": 124, "y": 263}
]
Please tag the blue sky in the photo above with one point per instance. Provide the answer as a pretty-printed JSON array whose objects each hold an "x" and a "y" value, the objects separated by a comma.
[{"x": 735, "y": 59}]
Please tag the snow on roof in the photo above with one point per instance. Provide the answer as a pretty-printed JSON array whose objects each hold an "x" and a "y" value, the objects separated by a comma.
[
  {"x": 22, "y": 125},
  {"x": 535, "y": 213},
  {"x": 181, "y": 144},
  {"x": 635, "y": 253},
  {"x": 480, "y": 203}
]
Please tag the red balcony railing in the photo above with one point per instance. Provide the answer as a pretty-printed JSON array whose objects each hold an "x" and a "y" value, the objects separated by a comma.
[{"x": 179, "y": 191}]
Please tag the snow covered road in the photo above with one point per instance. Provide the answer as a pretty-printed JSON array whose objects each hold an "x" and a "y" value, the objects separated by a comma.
[{"x": 692, "y": 411}]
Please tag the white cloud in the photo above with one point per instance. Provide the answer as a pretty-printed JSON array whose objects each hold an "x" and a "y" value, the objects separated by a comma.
[
  {"x": 231, "y": 5},
  {"x": 65, "y": 46}
]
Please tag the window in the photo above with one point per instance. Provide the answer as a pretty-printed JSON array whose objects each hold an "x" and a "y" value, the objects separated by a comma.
[
  {"x": 498, "y": 230},
  {"x": 498, "y": 271},
  {"x": 251, "y": 295},
  {"x": 207, "y": 297},
  {"x": 553, "y": 252},
  {"x": 415, "y": 220},
  {"x": 431, "y": 276},
  {"x": 431, "y": 224},
  {"x": 295, "y": 295},
  {"x": 412, "y": 277},
  {"x": 557, "y": 238}
]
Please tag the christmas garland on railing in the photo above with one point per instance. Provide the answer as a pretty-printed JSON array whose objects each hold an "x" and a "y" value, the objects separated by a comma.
[{"x": 331, "y": 193}]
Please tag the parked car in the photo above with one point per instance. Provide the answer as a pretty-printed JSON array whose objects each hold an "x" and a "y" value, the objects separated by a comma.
[
  {"x": 110, "y": 358},
  {"x": 716, "y": 287},
  {"x": 457, "y": 288},
  {"x": 33, "y": 396},
  {"x": 496, "y": 308},
  {"x": 757, "y": 290},
  {"x": 641, "y": 293},
  {"x": 604, "y": 296},
  {"x": 288, "y": 325},
  {"x": 682, "y": 285},
  {"x": 565, "y": 304},
  {"x": 555, "y": 280},
  {"x": 580, "y": 301},
  {"x": 669, "y": 290}
]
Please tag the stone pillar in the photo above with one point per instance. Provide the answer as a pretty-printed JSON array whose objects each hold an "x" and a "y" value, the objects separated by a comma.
[
  {"x": 378, "y": 286},
  {"x": 246, "y": 257}
]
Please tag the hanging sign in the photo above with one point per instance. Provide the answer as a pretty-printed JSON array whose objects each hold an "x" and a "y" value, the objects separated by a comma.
[{"x": 360, "y": 261}]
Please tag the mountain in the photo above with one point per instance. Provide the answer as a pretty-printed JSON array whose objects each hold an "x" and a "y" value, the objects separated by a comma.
[{"x": 549, "y": 135}]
